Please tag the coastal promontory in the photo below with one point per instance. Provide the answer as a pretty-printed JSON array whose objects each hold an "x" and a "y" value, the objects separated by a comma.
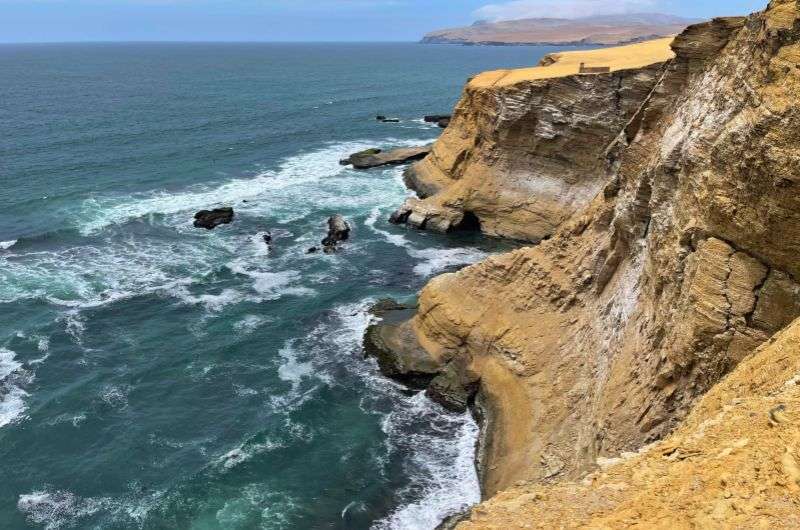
[{"x": 638, "y": 361}]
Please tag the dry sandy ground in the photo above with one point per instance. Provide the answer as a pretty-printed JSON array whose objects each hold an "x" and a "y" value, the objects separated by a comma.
[{"x": 568, "y": 63}]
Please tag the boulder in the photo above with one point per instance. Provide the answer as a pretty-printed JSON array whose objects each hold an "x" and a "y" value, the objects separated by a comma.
[
  {"x": 391, "y": 120},
  {"x": 375, "y": 158},
  {"x": 210, "y": 219},
  {"x": 380, "y": 117},
  {"x": 443, "y": 123}
]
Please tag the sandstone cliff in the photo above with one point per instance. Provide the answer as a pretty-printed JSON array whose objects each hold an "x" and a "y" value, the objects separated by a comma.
[
  {"x": 734, "y": 463},
  {"x": 601, "y": 339},
  {"x": 524, "y": 149}
]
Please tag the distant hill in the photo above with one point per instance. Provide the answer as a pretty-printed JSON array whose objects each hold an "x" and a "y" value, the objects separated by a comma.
[{"x": 601, "y": 30}]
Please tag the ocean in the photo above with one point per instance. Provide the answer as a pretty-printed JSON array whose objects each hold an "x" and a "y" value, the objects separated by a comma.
[{"x": 158, "y": 376}]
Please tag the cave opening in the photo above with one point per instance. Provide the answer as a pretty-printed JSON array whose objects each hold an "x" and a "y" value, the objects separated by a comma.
[{"x": 469, "y": 223}]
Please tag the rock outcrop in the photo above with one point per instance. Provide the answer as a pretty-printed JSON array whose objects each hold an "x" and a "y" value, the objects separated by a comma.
[
  {"x": 338, "y": 231},
  {"x": 524, "y": 150},
  {"x": 210, "y": 219},
  {"x": 375, "y": 157},
  {"x": 392, "y": 342},
  {"x": 602, "y": 339}
]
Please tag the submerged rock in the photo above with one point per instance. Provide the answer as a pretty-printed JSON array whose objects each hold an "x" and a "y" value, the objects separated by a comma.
[
  {"x": 210, "y": 219},
  {"x": 376, "y": 158}
]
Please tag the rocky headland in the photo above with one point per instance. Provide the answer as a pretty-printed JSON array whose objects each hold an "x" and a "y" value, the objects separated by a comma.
[
  {"x": 524, "y": 148},
  {"x": 639, "y": 365},
  {"x": 607, "y": 30}
]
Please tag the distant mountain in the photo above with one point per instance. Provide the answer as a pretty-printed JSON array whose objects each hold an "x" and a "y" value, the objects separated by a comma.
[{"x": 602, "y": 30}]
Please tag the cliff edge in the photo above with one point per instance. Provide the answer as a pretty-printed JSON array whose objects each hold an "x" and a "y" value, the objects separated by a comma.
[{"x": 678, "y": 258}]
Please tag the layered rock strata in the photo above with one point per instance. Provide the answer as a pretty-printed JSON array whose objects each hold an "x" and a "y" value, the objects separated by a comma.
[
  {"x": 600, "y": 340},
  {"x": 524, "y": 151},
  {"x": 734, "y": 463}
]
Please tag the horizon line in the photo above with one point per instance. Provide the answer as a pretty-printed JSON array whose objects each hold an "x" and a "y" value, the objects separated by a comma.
[{"x": 179, "y": 41}]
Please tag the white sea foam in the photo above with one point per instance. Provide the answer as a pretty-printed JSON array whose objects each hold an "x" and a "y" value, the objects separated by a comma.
[
  {"x": 245, "y": 452},
  {"x": 12, "y": 396},
  {"x": 115, "y": 396},
  {"x": 432, "y": 260},
  {"x": 54, "y": 510},
  {"x": 313, "y": 167},
  {"x": 74, "y": 326},
  {"x": 115, "y": 269},
  {"x": 275, "y": 509},
  {"x": 5, "y": 245},
  {"x": 12, "y": 405},
  {"x": 440, "y": 259},
  {"x": 440, "y": 445},
  {"x": 57, "y": 509},
  {"x": 250, "y": 323},
  {"x": 444, "y": 468},
  {"x": 272, "y": 285}
]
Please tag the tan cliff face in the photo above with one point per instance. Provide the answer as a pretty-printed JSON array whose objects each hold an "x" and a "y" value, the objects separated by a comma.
[
  {"x": 601, "y": 339},
  {"x": 524, "y": 150},
  {"x": 734, "y": 463}
]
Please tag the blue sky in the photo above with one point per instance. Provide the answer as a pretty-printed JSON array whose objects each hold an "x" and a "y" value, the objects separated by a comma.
[{"x": 299, "y": 20}]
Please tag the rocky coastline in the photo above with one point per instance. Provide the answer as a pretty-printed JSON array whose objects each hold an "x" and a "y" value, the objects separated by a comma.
[{"x": 659, "y": 295}]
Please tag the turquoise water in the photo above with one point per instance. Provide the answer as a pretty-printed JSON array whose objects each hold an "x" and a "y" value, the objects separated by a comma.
[{"x": 153, "y": 375}]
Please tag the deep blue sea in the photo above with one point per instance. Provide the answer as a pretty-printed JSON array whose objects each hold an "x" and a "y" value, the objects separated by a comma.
[{"x": 157, "y": 376}]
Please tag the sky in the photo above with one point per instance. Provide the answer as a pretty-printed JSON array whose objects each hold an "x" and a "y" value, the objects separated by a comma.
[{"x": 301, "y": 20}]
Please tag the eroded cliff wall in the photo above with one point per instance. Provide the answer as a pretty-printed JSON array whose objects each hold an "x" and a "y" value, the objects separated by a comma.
[
  {"x": 524, "y": 150},
  {"x": 734, "y": 463},
  {"x": 601, "y": 339}
]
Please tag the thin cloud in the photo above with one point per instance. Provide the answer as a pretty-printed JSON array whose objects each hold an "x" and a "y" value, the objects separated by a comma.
[{"x": 565, "y": 9}]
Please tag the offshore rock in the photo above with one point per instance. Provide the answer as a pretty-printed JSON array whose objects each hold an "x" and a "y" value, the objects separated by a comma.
[
  {"x": 375, "y": 158},
  {"x": 338, "y": 231},
  {"x": 210, "y": 219},
  {"x": 361, "y": 154}
]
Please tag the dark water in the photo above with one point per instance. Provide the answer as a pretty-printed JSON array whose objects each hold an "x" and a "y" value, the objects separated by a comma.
[{"x": 156, "y": 376}]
